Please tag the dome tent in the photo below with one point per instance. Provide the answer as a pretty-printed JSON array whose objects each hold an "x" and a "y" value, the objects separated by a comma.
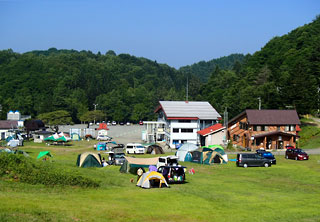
[
  {"x": 155, "y": 149},
  {"x": 89, "y": 159},
  {"x": 184, "y": 149},
  {"x": 152, "y": 179}
]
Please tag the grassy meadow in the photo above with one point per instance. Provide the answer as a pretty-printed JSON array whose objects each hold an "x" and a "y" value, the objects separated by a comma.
[{"x": 288, "y": 191}]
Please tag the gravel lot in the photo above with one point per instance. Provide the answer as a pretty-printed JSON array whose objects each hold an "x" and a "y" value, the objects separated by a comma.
[{"x": 121, "y": 134}]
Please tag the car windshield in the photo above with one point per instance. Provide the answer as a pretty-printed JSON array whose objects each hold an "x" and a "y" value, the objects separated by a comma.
[
  {"x": 299, "y": 151},
  {"x": 140, "y": 147}
]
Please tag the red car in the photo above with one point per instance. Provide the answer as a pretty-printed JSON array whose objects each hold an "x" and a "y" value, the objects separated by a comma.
[
  {"x": 297, "y": 154},
  {"x": 140, "y": 122}
]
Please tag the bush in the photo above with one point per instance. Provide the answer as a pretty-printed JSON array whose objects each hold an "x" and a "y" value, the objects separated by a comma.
[{"x": 20, "y": 168}]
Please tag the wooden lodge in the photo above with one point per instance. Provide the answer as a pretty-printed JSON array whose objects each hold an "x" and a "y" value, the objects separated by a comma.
[{"x": 267, "y": 129}]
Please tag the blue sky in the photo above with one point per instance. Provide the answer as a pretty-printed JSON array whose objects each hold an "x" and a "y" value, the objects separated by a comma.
[{"x": 177, "y": 32}]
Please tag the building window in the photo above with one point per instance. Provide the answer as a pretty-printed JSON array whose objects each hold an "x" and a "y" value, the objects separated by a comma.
[
  {"x": 243, "y": 125},
  {"x": 258, "y": 128},
  {"x": 266, "y": 128},
  {"x": 287, "y": 128},
  {"x": 175, "y": 141},
  {"x": 184, "y": 121},
  {"x": 175, "y": 130},
  {"x": 292, "y": 128},
  {"x": 186, "y": 130},
  {"x": 278, "y": 128},
  {"x": 262, "y": 128},
  {"x": 254, "y": 128}
]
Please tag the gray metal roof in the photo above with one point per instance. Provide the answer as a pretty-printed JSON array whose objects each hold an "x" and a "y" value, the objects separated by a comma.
[{"x": 196, "y": 109}]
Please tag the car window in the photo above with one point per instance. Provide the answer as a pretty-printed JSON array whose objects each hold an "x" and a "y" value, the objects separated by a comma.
[
  {"x": 140, "y": 147},
  {"x": 129, "y": 147}
]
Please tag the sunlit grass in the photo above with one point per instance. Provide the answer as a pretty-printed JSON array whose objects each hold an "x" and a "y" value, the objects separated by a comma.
[{"x": 288, "y": 191}]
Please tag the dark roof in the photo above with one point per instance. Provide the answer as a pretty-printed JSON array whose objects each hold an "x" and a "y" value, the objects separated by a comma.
[
  {"x": 272, "y": 117},
  {"x": 274, "y": 133},
  {"x": 8, "y": 124}
]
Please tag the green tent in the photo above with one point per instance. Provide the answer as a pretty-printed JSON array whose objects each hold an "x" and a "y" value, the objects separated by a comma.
[
  {"x": 89, "y": 159},
  {"x": 62, "y": 138},
  {"x": 44, "y": 153},
  {"x": 50, "y": 138},
  {"x": 215, "y": 146}
]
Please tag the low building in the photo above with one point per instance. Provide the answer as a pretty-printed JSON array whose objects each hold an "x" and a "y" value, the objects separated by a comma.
[
  {"x": 215, "y": 134},
  {"x": 183, "y": 119},
  {"x": 267, "y": 129},
  {"x": 7, "y": 128}
]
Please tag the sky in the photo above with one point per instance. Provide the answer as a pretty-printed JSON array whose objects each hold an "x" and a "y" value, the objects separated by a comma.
[{"x": 175, "y": 32}]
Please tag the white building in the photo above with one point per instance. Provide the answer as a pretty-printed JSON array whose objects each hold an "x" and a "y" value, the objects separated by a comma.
[{"x": 183, "y": 119}]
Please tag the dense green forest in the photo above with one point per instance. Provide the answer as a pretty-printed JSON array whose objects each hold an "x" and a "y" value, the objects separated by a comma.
[
  {"x": 204, "y": 69},
  {"x": 284, "y": 74}
]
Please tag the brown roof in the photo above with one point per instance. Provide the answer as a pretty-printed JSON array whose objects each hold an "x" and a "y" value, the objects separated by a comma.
[
  {"x": 8, "y": 124},
  {"x": 274, "y": 133},
  {"x": 272, "y": 117}
]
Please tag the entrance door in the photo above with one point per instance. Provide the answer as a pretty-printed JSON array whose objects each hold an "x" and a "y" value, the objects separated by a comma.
[{"x": 279, "y": 144}]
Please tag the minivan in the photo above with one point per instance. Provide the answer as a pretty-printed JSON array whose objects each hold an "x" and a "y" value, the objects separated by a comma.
[
  {"x": 135, "y": 148},
  {"x": 252, "y": 159}
]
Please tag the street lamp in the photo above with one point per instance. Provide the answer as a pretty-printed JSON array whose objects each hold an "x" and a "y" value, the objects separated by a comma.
[{"x": 95, "y": 108}]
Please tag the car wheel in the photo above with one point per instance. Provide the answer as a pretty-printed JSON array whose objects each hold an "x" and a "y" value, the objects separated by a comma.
[
  {"x": 134, "y": 152},
  {"x": 287, "y": 157},
  {"x": 245, "y": 165},
  {"x": 266, "y": 164},
  {"x": 296, "y": 158}
]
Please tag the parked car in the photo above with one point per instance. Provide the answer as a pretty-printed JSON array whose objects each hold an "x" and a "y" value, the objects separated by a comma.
[
  {"x": 104, "y": 138},
  {"x": 114, "y": 123},
  {"x": 173, "y": 174},
  {"x": 121, "y": 123},
  {"x": 167, "y": 161},
  {"x": 140, "y": 122},
  {"x": 116, "y": 158},
  {"x": 135, "y": 148},
  {"x": 267, "y": 155},
  {"x": 128, "y": 123},
  {"x": 109, "y": 123},
  {"x": 297, "y": 154},
  {"x": 252, "y": 159}
]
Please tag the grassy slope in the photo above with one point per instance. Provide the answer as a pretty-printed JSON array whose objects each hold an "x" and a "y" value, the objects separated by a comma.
[
  {"x": 288, "y": 191},
  {"x": 310, "y": 133}
]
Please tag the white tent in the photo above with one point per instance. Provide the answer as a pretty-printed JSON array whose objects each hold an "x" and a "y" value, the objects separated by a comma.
[{"x": 184, "y": 149}]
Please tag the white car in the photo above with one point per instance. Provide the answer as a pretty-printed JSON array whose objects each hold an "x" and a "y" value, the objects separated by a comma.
[
  {"x": 135, "y": 148},
  {"x": 104, "y": 138},
  {"x": 114, "y": 123}
]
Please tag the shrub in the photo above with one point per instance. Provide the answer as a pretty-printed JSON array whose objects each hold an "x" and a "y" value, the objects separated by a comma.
[{"x": 21, "y": 168}]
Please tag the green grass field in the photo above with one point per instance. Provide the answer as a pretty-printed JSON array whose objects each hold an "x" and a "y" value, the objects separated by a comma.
[{"x": 288, "y": 191}]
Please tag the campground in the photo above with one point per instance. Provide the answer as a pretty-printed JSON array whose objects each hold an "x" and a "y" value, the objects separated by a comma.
[{"x": 288, "y": 191}]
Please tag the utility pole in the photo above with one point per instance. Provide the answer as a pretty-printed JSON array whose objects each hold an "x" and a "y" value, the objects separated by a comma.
[
  {"x": 95, "y": 108},
  {"x": 187, "y": 89},
  {"x": 259, "y": 98},
  {"x": 225, "y": 117}
]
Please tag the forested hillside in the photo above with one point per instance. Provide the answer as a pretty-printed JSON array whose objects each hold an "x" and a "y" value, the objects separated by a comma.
[
  {"x": 124, "y": 87},
  {"x": 204, "y": 69},
  {"x": 284, "y": 74}
]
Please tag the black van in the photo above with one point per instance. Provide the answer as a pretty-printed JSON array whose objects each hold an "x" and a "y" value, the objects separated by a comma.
[{"x": 252, "y": 159}]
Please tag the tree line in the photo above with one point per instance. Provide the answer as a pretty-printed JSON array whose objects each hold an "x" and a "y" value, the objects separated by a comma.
[{"x": 283, "y": 74}]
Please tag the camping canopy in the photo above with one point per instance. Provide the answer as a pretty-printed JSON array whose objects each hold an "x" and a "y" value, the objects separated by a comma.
[
  {"x": 155, "y": 149},
  {"x": 44, "y": 153},
  {"x": 133, "y": 164},
  {"x": 50, "y": 138},
  {"x": 184, "y": 149},
  {"x": 152, "y": 179},
  {"x": 89, "y": 159}
]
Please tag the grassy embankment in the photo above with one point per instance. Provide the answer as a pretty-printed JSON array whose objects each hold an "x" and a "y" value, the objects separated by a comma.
[
  {"x": 310, "y": 133},
  {"x": 288, "y": 191}
]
